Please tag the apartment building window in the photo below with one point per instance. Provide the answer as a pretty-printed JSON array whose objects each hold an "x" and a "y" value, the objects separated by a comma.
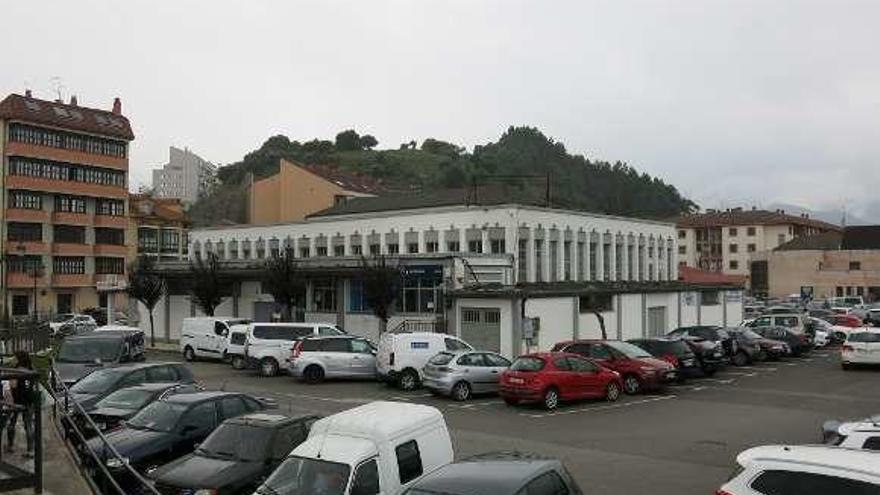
[
  {"x": 25, "y": 200},
  {"x": 67, "y": 140},
  {"x": 682, "y": 249},
  {"x": 357, "y": 249},
  {"x": 566, "y": 260},
  {"x": 233, "y": 249},
  {"x": 593, "y": 258},
  {"x": 855, "y": 265},
  {"x": 357, "y": 300},
  {"x": 148, "y": 240},
  {"x": 42, "y": 169},
  {"x": 751, "y": 248},
  {"x": 69, "y": 265},
  {"x": 606, "y": 262},
  {"x": 24, "y": 264},
  {"x": 274, "y": 248},
  {"x": 412, "y": 248},
  {"x": 104, "y": 235},
  {"x": 618, "y": 262},
  {"x": 554, "y": 261},
  {"x": 475, "y": 246},
  {"x": 420, "y": 292},
  {"x": 682, "y": 234},
  {"x": 69, "y": 234},
  {"x": 324, "y": 295},
  {"x": 750, "y": 231},
  {"x": 24, "y": 232},
  {"x": 539, "y": 260},
  {"x": 733, "y": 248},
  {"x": 432, "y": 246},
  {"x": 374, "y": 249},
  {"x": 710, "y": 298},
  {"x": 522, "y": 261},
  {"x": 245, "y": 249},
  {"x": 169, "y": 240},
  {"x": 304, "y": 252},
  {"x": 731, "y": 232},
  {"x": 110, "y": 207},
  {"x": 339, "y": 250},
  {"x": 393, "y": 249},
  {"x": 70, "y": 204},
  {"x": 321, "y": 250},
  {"x": 734, "y": 265},
  {"x": 453, "y": 246},
  {"x": 496, "y": 246},
  {"x": 109, "y": 266}
]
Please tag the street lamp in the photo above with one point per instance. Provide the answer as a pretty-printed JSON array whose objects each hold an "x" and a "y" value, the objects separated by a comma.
[{"x": 35, "y": 270}]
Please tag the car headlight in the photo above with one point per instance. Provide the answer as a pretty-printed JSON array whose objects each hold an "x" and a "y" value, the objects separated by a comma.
[
  {"x": 116, "y": 463},
  {"x": 205, "y": 491}
]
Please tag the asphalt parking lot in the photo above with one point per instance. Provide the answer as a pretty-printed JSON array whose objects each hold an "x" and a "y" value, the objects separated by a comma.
[{"x": 680, "y": 442}]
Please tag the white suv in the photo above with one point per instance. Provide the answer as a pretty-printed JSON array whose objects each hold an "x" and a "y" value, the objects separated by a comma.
[
  {"x": 862, "y": 434},
  {"x": 804, "y": 470},
  {"x": 269, "y": 345}
]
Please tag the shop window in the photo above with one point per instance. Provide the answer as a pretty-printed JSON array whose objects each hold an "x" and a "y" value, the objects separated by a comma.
[
  {"x": 596, "y": 302},
  {"x": 324, "y": 296}
]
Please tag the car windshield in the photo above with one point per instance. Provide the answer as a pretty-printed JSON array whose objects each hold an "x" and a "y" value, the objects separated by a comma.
[
  {"x": 441, "y": 359},
  {"x": 629, "y": 350},
  {"x": 237, "y": 441},
  {"x": 98, "y": 382},
  {"x": 158, "y": 416},
  {"x": 302, "y": 476},
  {"x": 89, "y": 350},
  {"x": 527, "y": 364},
  {"x": 62, "y": 318},
  {"x": 864, "y": 337},
  {"x": 127, "y": 398}
]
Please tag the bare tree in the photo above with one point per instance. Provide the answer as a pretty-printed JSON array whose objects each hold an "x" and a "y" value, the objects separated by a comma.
[
  {"x": 146, "y": 286},
  {"x": 207, "y": 288},
  {"x": 382, "y": 282},
  {"x": 282, "y": 280}
]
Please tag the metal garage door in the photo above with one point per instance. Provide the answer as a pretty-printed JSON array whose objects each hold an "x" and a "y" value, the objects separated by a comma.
[
  {"x": 481, "y": 328},
  {"x": 657, "y": 321}
]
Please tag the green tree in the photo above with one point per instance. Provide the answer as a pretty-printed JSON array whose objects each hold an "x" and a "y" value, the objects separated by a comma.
[
  {"x": 282, "y": 280},
  {"x": 207, "y": 287},
  {"x": 348, "y": 140},
  {"x": 382, "y": 281},
  {"x": 146, "y": 286},
  {"x": 368, "y": 142},
  {"x": 436, "y": 146}
]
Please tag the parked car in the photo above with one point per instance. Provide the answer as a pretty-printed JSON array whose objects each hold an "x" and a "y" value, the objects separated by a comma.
[
  {"x": 170, "y": 428},
  {"x": 236, "y": 457},
  {"x": 759, "y": 347},
  {"x": 674, "y": 351},
  {"x": 98, "y": 385},
  {"x": 109, "y": 412},
  {"x": 639, "y": 370},
  {"x": 464, "y": 373},
  {"x": 343, "y": 356},
  {"x": 798, "y": 342},
  {"x": 804, "y": 470},
  {"x": 712, "y": 334},
  {"x": 72, "y": 324},
  {"x": 822, "y": 331},
  {"x": 206, "y": 336},
  {"x": 550, "y": 377},
  {"x": 378, "y": 448},
  {"x": 860, "y": 434},
  {"x": 710, "y": 355},
  {"x": 794, "y": 321},
  {"x": 845, "y": 320},
  {"x": 268, "y": 345},
  {"x": 235, "y": 343},
  {"x": 499, "y": 473},
  {"x": 401, "y": 357},
  {"x": 82, "y": 354},
  {"x": 861, "y": 347}
]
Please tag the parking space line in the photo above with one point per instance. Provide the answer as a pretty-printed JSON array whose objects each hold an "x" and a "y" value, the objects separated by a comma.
[
  {"x": 600, "y": 408},
  {"x": 718, "y": 380},
  {"x": 349, "y": 400},
  {"x": 694, "y": 388},
  {"x": 737, "y": 373},
  {"x": 756, "y": 368}
]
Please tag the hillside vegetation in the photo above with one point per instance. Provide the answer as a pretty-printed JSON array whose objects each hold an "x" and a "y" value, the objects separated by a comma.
[{"x": 521, "y": 152}]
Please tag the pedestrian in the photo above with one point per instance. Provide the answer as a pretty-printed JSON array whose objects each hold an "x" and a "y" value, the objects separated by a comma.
[{"x": 22, "y": 397}]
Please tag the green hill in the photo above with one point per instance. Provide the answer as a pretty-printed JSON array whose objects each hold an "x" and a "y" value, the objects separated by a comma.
[{"x": 521, "y": 154}]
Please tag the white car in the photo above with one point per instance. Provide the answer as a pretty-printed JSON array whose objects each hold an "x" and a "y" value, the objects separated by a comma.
[
  {"x": 401, "y": 357},
  {"x": 206, "y": 336},
  {"x": 863, "y": 434},
  {"x": 270, "y": 345},
  {"x": 804, "y": 470},
  {"x": 70, "y": 323},
  {"x": 862, "y": 346}
]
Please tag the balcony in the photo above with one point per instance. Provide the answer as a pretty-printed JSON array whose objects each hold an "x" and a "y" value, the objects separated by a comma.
[
  {"x": 32, "y": 216},
  {"x": 111, "y": 250},
  {"x": 110, "y": 221},
  {"x": 29, "y": 247},
  {"x": 70, "y": 249},
  {"x": 23, "y": 281},
  {"x": 65, "y": 187},
  {"x": 71, "y": 218},
  {"x": 77, "y": 280},
  {"x": 67, "y": 156}
]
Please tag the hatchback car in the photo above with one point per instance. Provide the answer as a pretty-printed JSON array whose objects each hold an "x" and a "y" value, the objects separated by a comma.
[
  {"x": 122, "y": 404},
  {"x": 755, "y": 347},
  {"x": 639, "y": 370},
  {"x": 551, "y": 377},
  {"x": 501, "y": 473},
  {"x": 711, "y": 333},
  {"x": 236, "y": 457},
  {"x": 345, "y": 356},
  {"x": 94, "y": 387},
  {"x": 862, "y": 347},
  {"x": 463, "y": 373},
  {"x": 674, "y": 351}
]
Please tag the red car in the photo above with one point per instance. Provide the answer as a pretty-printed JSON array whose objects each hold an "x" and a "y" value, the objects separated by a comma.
[
  {"x": 640, "y": 370},
  {"x": 549, "y": 377},
  {"x": 851, "y": 321}
]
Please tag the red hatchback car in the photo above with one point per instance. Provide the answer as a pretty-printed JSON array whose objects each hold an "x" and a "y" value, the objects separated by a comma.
[
  {"x": 550, "y": 377},
  {"x": 640, "y": 370}
]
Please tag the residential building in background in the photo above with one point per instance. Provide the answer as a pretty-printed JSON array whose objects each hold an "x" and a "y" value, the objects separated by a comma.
[
  {"x": 63, "y": 213},
  {"x": 725, "y": 241},
  {"x": 160, "y": 226},
  {"x": 297, "y": 191},
  {"x": 830, "y": 264},
  {"x": 186, "y": 176}
]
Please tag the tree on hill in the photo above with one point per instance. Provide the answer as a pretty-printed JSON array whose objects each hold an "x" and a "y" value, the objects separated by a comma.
[
  {"x": 368, "y": 142},
  {"x": 436, "y": 146},
  {"x": 348, "y": 140}
]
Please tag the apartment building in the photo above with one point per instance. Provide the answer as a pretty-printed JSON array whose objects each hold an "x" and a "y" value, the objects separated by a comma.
[
  {"x": 63, "y": 210},
  {"x": 186, "y": 176},
  {"x": 160, "y": 226},
  {"x": 725, "y": 241}
]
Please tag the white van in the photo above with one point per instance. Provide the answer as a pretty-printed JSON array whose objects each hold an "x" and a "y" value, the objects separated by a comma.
[
  {"x": 235, "y": 343},
  {"x": 270, "y": 345},
  {"x": 401, "y": 356},
  {"x": 378, "y": 448},
  {"x": 205, "y": 336}
]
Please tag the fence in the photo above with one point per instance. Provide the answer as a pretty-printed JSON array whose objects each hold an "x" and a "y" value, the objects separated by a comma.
[{"x": 21, "y": 335}]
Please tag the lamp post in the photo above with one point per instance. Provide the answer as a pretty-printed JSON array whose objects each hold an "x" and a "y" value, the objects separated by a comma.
[{"x": 35, "y": 271}]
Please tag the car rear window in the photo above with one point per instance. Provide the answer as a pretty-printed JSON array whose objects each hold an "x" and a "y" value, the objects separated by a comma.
[
  {"x": 267, "y": 332},
  {"x": 441, "y": 359},
  {"x": 527, "y": 364}
]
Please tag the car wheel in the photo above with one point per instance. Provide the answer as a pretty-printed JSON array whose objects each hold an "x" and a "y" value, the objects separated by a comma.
[
  {"x": 408, "y": 380},
  {"x": 740, "y": 358},
  {"x": 612, "y": 392},
  {"x": 268, "y": 367},
  {"x": 461, "y": 391},
  {"x": 631, "y": 384},
  {"x": 189, "y": 354},
  {"x": 238, "y": 363},
  {"x": 313, "y": 374},
  {"x": 551, "y": 399}
]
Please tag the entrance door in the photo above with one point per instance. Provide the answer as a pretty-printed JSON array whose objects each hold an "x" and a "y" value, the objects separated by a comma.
[
  {"x": 657, "y": 321},
  {"x": 481, "y": 328}
]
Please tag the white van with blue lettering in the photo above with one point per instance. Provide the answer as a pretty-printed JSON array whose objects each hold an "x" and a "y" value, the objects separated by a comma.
[{"x": 401, "y": 356}]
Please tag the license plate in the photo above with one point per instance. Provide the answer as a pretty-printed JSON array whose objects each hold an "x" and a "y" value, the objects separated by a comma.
[{"x": 518, "y": 381}]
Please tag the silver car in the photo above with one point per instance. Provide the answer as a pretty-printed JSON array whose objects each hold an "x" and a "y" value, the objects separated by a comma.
[
  {"x": 341, "y": 356},
  {"x": 464, "y": 373}
]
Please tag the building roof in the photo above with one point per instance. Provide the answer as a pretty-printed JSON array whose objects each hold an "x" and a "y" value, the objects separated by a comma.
[
  {"x": 862, "y": 237},
  {"x": 816, "y": 242},
  {"x": 557, "y": 289},
  {"x": 143, "y": 206},
  {"x": 739, "y": 216},
  {"x": 346, "y": 179},
  {"x": 691, "y": 275},
  {"x": 65, "y": 116}
]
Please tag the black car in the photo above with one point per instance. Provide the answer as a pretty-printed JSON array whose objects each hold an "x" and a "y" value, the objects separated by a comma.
[
  {"x": 99, "y": 384},
  {"x": 798, "y": 342},
  {"x": 503, "y": 473},
  {"x": 673, "y": 350},
  {"x": 766, "y": 348},
  {"x": 748, "y": 347},
  {"x": 170, "y": 428},
  {"x": 711, "y": 333},
  {"x": 236, "y": 457},
  {"x": 709, "y": 354},
  {"x": 82, "y": 354},
  {"x": 109, "y": 412}
]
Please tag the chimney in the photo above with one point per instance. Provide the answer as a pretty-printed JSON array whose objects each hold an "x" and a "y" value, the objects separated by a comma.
[
  {"x": 27, "y": 93},
  {"x": 117, "y": 106},
  {"x": 73, "y": 102}
]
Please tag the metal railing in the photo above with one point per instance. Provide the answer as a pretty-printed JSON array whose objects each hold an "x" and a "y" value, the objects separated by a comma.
[
  {"x": 72, "y": 416},
  {"x": 409, "y": 326},
  {"x": 25, "y": 335}
]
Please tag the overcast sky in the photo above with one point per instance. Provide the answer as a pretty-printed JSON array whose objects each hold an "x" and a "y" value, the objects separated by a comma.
[{"x": 738, "y": 102}]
